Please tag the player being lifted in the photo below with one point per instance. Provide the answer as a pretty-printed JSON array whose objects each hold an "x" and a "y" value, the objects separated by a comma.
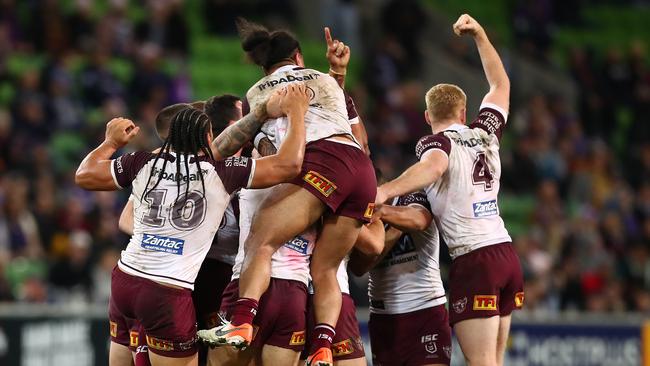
[
  {"x": 181, "y": 195},
  {"x": 459, "y": 169},
  {"x": 337, "y": 183}
]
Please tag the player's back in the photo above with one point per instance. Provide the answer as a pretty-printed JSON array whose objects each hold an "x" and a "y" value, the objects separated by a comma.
[
  {"x": 464, "y": 199},
  {"x": 173, "y": 230},
  {"x": 327, "y": 114}
]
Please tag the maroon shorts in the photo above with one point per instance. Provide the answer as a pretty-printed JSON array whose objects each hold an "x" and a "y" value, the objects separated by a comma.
[
  {"x": 281, "y": 315},
  {"x": 165, "y": 313},
  {"x": 209, "y": 285},
  {"x": 347, "y": 343},
  {"x": 421, "y": 337},
  {"x": 485, "y": 282},
  {"x": 341, "y": 176}
]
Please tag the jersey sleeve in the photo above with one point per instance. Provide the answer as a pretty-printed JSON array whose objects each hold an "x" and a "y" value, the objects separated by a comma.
[
  {"x": 415, "y": 198},
  {"x": 432, "y": 142},
  {"x": 491, "y": 118},
  {"x": 125, "y": 168},
  {"x": 236, "y": 172},
  {"x": 353, "y": 115}
]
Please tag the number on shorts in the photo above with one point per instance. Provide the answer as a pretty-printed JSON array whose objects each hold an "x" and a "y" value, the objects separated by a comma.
[
  {"x": 186, "y": 214},
  {"x": 481, "y": 173}
]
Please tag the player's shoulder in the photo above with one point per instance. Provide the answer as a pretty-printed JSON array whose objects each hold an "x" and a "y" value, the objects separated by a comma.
[{"x": 439, "y": 141}]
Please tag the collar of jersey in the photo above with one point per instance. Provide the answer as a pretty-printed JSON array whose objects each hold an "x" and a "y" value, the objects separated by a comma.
[
  {"x": 456, "y": 127},
  {"x": 284, "y": 68}
]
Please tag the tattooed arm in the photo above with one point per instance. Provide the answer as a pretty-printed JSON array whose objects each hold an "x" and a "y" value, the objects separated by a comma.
[
  {"x": 265, "y": 147},
  {"x": 236, "y": 135}
]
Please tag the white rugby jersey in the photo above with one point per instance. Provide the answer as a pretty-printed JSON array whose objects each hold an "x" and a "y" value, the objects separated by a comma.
[
  {"x": 226, "y": 241},
  {"x": 464, "y": 199},
  {"x": 171, "y": 237},
  {"x": 326, "y": 115},
  {"x": 291, "y": 261},
  {"x": 408, "y": 278}
]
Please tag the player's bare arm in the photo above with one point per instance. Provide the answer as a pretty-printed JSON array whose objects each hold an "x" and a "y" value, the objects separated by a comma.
[
  {"x": 371, "y": 239},
  {"x": 94, "y": 172},
  {"x": 360, "y": 262},
  {"x": 495, "y": 73},
  {"x": 265, "y": 147},
  {"x": 236, "y": 135},
  {"x": 125, "y": 223},
  {"x": 338, "y": 56},
  {"x": 420, "y": 175},
  {"x": 286, "y": 164},
  {"x": 410, "y": 218}
]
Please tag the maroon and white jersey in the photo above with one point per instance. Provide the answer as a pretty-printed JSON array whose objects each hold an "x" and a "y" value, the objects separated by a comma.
[
  {"x": 326, "y": 115},
  {"x": 172, "y": 234},
  {"x": 464, "y": 199},
  {"x": 291, "y": 261},
  {"x": 226, "y": 241},
  {"x": 408, "y": 278}
]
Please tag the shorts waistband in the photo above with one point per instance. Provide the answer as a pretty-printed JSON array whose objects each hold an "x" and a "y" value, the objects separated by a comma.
[{"x": 169, "y": 288}]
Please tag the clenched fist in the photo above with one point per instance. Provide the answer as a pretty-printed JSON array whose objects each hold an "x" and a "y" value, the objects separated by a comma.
[
  {"x": 119, "y": 131},
  {"x": 467, "y": 25}
]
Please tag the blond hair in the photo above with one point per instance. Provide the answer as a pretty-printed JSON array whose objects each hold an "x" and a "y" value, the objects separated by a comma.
[{"x": 444, "y": 101}]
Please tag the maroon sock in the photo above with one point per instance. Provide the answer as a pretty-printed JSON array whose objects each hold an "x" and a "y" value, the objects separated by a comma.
[
  {"x": 244, "y": 312},
  {"x": 323, "y": 337}
]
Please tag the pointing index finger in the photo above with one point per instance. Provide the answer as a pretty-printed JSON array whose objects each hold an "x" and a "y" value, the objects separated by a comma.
[{"x": 328, "y": 36}]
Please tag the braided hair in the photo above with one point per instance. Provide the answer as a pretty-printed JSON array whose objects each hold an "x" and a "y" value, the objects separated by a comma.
[{"x": 187, "y": 138}]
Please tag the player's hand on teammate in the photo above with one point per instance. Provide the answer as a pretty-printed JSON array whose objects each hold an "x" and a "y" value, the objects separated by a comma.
[
  {"x": 338, "y": 54},
  {"x": 377, "y": 212},
  {"x": 273, "y": 109},
  {"x": 295, "y": 99},
  {"x": 467, "y": 25},
  {"x": 119, "y": 131},
  {"x": 381, "y": 196}
]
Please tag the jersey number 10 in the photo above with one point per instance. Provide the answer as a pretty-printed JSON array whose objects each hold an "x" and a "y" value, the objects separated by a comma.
[{"x": 187, "y": 213}]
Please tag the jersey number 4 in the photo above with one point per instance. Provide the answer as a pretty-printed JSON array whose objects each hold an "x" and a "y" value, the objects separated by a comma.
[
  {"x": 187, "y": 213},
  {"x": 481, "y": 173}
]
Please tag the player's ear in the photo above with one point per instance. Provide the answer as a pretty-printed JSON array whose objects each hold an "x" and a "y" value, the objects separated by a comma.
[
  {"x": 462, "y": 115},
  {"x": 210, "y": 137},
  {"x": 300, "y": 61},
  {"x": 426, "y": 117}
]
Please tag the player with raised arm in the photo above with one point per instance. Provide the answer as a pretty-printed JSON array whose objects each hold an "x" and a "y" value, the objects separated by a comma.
[
  {"x": 216, "y": 270},
  {"x": 409, "y": 325},
  {"x": 460, "y": 170},
  {"x": 337, "y": 183},
  {"x": 181, "y": 194}
]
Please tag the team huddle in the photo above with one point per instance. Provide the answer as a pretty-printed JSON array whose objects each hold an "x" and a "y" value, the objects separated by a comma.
[{"x": 244, "y": 222}]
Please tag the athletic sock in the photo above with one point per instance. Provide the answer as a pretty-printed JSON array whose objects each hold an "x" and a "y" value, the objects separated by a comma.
[
  {"x": 323, "y": 337},
  {"x": 244, "y": 312}
]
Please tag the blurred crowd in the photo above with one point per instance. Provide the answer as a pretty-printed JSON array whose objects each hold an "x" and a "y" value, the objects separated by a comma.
[{"x": 579, "y": 175}]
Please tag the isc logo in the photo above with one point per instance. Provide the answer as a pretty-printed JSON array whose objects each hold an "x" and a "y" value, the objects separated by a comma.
[
  {"x": 429, "y": 338},
  {"x": 485, "y": 302}
]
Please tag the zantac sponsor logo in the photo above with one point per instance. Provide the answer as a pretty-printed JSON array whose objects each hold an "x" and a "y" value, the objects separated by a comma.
[
  {"x": 297, "y": 338},
  {"x": 485, "y": 208},
  {"x": 485, "y": 302},
  {"x": 162, "y": 244},
  {"x": 299, "y": 244},
  {"x": 342, "y": 348},
  {"x": 322, "y": 184}
]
